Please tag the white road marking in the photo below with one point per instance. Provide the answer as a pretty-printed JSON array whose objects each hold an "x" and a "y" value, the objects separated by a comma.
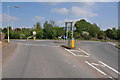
[
  {"x": 111, "y": 77},
  {"x": 70, "y": 52},
  {"x": 98, "y": 64},
  {"x": 75, "y": 50},
  {"x": 112, "y": 43},
  {"x": 95, "y": 68},
  {"x": 82, "y": 56},
  {"x": 84, "y": 51},
  {"x": 109, "y": 67},
  {"x": 39, "y": 45}
]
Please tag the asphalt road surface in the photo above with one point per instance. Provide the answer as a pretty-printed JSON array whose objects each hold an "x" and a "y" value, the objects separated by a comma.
[
  {"x": 46, "y": 59},
  {"x": 103, "y": 51}
]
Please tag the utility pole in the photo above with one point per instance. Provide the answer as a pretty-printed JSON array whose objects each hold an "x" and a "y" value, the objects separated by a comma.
[
  {"x": 8, "y": 23},
  {"x": 8, "y": 12}
]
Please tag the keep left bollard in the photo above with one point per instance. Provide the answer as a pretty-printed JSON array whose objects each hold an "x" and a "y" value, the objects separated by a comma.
[{"x": 73, "y": 43}]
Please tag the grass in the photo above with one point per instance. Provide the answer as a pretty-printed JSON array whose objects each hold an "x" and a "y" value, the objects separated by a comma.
[
  {"x": 4, "y": 42},
  {"x": 99, "y": 40}
]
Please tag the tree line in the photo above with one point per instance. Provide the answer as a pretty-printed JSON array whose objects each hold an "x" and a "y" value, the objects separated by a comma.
[{"x": 84, "y": 30}]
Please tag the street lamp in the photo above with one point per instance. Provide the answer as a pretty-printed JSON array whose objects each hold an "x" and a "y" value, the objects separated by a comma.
[{"x": 8, "y": 11}]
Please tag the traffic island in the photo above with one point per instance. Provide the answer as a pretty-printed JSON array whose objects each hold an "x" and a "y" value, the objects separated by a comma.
[
  {"x": 68, "y": 46},
  {"x": 117, "y": 46}
]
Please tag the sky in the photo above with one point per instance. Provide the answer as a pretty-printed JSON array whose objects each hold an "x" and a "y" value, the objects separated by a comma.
[{"x": 104, "y": 14}]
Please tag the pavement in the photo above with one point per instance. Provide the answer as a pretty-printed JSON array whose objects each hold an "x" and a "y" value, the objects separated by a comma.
[{"x": 46, "y": 59}]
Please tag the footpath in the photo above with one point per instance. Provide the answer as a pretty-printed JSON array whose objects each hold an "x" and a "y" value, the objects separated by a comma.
[{"x": 8, "y": 51}]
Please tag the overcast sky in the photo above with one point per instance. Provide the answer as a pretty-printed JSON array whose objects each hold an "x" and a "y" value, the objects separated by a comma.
[{"x": 105, "y": 14}]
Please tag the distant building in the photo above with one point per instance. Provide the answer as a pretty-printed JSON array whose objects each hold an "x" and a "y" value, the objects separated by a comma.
[
  {"x": 17, "y": 29},
  {"x": 2, "y": 36}
]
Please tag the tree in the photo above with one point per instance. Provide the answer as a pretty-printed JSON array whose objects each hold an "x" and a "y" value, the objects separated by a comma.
[
  {"x": 39, "y": 34},
  {"x": 52, "y": 23},
  {"x": 59, "y": 31},
  {"x": 94, "y": 30},
  {"x": 46, "y": 24},
  {"x": 49, "y": 32},
  {"x": 83, "y": 25},
  {"x": 118, "y": 34},
  {"x": 112, "y": 33},
  {"x": 38, "y": 26},
  {"x": 108, "y": 33},
  {"x": 27, "y": 32},
  {"x": 4, "y": 30},
  {"x": 101, "y": 35},
  {"x": 85, "y": 35}
]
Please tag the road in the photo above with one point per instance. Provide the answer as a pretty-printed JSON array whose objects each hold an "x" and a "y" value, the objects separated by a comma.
[
  {"x": 101, "y": 50},
  {"x": 46, "y": 59}
]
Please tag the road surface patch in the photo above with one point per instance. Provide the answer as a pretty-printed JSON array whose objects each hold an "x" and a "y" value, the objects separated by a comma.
[
  {"x": 98, "y": 66},
  {"x": 84, "y": 51},
  {"x": 70, "y": 52},
  {"x": 82, "y": 56},
  {"x": 79, "y": 53},
  {"x": 110, "y": 67},
  {"x": 95, "y": 68}
]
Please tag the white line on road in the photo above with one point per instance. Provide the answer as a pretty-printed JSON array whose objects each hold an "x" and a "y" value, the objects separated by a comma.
[
  {"x": 39, "y": 45},
  {"x": 82, "y": 56},
  {"x": 112, "y": 43},
  {"x": 84, "y": 51},
  {"x": 109, "y": 67},
  {"x": 95, "y": 68},
  {"x": 98, "y": 64},
  {"x": 75, "y": 50},
  {"x": 71, "y": 52}
]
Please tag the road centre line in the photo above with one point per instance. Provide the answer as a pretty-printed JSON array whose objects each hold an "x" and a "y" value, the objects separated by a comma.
[
  {"x": 71, "y": 52},
  {"x": 109, "y": 67},
  {"x": 84, "y": 51},
  {"x": 95, "y": 68}
]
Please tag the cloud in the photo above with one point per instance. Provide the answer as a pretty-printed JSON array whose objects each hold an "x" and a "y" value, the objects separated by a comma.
[
  {"x": 60, "y": 10},
  {"x": 38, "y": 18},
  {"x": 62, "y": 22},
  {"x": 83, "y": 12},
  {"x": 5, "y": 18}
]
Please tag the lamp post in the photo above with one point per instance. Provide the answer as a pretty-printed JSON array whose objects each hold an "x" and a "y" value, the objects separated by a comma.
[{"x": 8, "y": 11}]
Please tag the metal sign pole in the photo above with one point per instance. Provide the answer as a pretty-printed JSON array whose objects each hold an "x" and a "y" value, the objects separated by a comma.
[{"x": 72, "y": 29}]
